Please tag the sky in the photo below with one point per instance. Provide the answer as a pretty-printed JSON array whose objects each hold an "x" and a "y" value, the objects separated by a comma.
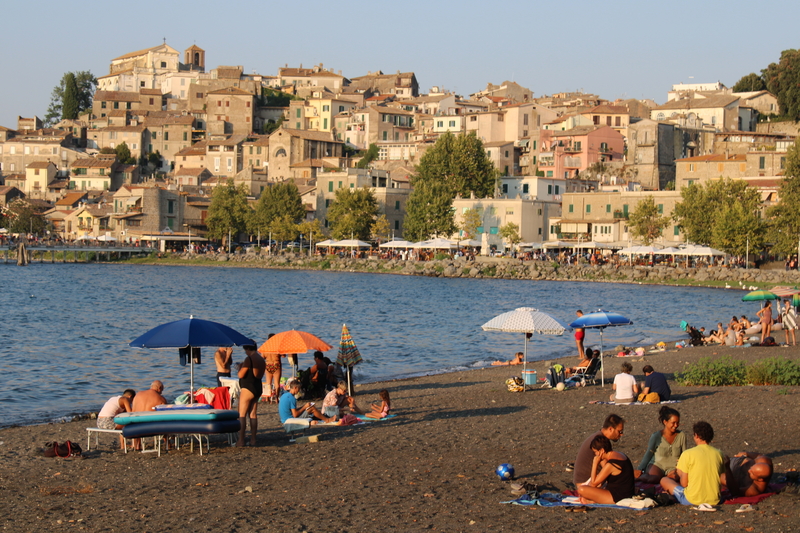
[{"x": 615, "y": 49}]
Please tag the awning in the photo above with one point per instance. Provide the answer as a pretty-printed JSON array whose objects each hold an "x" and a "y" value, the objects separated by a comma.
[{"x": 132, "y": 200}]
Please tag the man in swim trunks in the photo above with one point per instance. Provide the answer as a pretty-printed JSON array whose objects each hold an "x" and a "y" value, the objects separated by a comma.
[
  {"x": 747, "y": 474},
  {"x": 250, "y": 373},
  {"x": 146, "y": 401},
  {"x": 579, "y": 335},
  {"x": 223, "y": 357}
]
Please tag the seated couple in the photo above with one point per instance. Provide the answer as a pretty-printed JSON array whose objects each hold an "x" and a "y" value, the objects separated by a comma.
[
  {"x": 602, "y": 475},
  {"x": 287, "y": 406}
]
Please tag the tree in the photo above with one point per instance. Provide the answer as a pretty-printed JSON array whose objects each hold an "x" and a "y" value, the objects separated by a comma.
[
  {"x": 21, "y": 217},
  {"x": 751, "y": 82},
  {"x": 699, "y": 211},
  {"x": 228, "y": 212},
  {"x": 646, "y": 222},
  {"x": 275, "y": 202},
  {"x": 783, "y": 80},
  {"x": 352, "y": 213},
  {"x": 271, "y": 125},
  {"x": 510, "y": 233},
  {"x": 283, "y": 228},
  {"x": 470, "y": 222},
  {"x": 69, "y": 105},
  {"x": 84, "y": 87},
  {"x": 368, "y": 157},
  {"x": 311, "y": 229},
  {"x": 380, "y": 230},
  {"x": 737, "y": 230},
  {"x": 429, "y": 212},
  {"x": 461, "y": 164},
  {"x": 124, "y": 154},
  {"x": 784, "y": 217}
]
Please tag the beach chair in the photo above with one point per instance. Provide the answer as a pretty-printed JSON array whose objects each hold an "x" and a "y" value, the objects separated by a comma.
[{"x": 586, "y": 374}]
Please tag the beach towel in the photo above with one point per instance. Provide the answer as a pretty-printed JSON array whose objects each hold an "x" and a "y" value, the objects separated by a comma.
[
  {"x": 553, "y": 499},
  {"x": 773, "y": 488},
  {"x": 365, "y": 418},
  {"x": 598, "y": 402}
]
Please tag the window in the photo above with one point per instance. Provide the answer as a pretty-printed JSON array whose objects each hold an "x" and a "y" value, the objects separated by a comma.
[
  {"x": 509, "y": 211},
  {"x": 720, "y": 167},
  {"x": 571, "y": 208},
  {"x": 588, "y": 208},
  {"x": 330, "y": 186},
  {"x": 185, "y": 135},
  {"x": 227, "y": 103},
  {"x": 625, "y": 210},
  {"x": 397, "y": 205},
  {"x": 324, "y": 123},
  {"x": 340, "y": 185},
  {"x": 676, "y": 230},
  {"x": 297, "y": 125},
  {"x": 783, "y": 163},
  {"x": 713, "y": 120},
  {"x": 660, "y": 209},
  {"x": 549, "y": 174},
  {"x": 480, "y": 229},
  {"x": 341, "y": 108},
  {"x": 539, "y": 211},
  {"x": 298, "y": 112},
  {"x": 525, "y": 119},
  {"x": 506, "y": 153},
  {"x": 102, "y": 105},
  {"x": 396, "y": 224},
  {"x": 155, "y": 135},
  {"x": 525, "y": 188},
  {"x": 618, "y": 121},
  {"x": 385, "y": 135},
  {"x": 505, "y": 188},
  {"x": 550, "y": 189},
  {"x": 452, "y": 124},
  {"x": 608, "y": 121},
  {"x": 166, "y": 135},
  {"x": 116, "y": 105},
  {"x": 762, "y": 162},
  {"x": 326, "y": 108},
  {"x": 170, "y": 207},
  {"x": 691, "y": 167},
  {"x": 327, "y": 203},
  {"x": 608, "y": 208},
  {"x": 440, "y": 123},
  {"x": 198, "y": 95},
  {"x": 128, "y": 105},
  {"x": 493, "y": 230},
  {"x": 163, "y": 64}
]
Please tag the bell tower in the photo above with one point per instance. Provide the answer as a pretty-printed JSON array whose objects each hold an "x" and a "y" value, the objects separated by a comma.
[{"x": 195, "y": 58}]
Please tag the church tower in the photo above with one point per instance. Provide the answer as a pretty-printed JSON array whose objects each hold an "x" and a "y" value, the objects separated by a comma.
[{"x": 195, "y": 58}]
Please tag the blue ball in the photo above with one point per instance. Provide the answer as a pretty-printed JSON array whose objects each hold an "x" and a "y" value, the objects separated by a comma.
[{"x": 505, "y": 471}]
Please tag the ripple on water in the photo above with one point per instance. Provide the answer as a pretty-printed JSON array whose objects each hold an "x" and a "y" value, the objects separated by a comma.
[{"x": 67, "y": 348}]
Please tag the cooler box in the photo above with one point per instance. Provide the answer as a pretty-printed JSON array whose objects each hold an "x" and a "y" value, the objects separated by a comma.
[{"x": 529, "y": 377}]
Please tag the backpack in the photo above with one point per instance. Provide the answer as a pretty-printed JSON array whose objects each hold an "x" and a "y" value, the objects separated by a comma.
[
  {"x": 555, "y": 375},
  {"x": 515, "y": 384}
]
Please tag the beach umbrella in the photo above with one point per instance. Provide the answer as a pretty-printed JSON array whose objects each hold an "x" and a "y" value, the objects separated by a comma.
[
  {"x": 601, "y": 320},
  {"x": 759, "y": 296},
  {"x": 396, "y": 244},
  {"x": 349, "y": 356},
  {"x": 438, "y": 244},
  {"x": 783, "y": 291},
  {"x": 188, "y": 333},
  {"x": 293, "y": 341},
  {"x": 353, "y": 243},
  {"x": 796, "y": 300},
  {"x": 528, "y": 321},
  {"x": 327, "y": 243}
]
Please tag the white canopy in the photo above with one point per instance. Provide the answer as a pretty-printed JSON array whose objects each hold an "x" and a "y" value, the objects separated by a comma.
[
  {"x": 435, "y": 244},
  {"x": 557, "y": 244},
  {"x": 352, "y": 243},
  {"x": 397, "y": 244},
  {"x": 327, "y": 242},
  {"x": 106, "y": 238},
  {"x": 534, "y": 245},
  {"x": 469, "y": 242}
]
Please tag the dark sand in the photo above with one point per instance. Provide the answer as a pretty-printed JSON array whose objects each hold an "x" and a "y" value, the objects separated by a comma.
[{"x": 431, "y": 468}]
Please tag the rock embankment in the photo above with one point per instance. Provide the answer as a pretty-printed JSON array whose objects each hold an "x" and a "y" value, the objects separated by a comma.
[{"x": 507, "y": 268}]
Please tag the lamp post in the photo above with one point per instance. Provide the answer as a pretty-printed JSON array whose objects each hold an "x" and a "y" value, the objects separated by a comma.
[{"x": 189, "y": 228}]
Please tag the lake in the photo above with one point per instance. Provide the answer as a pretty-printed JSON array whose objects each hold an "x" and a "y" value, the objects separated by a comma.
[{"x": 66, "y": 327}]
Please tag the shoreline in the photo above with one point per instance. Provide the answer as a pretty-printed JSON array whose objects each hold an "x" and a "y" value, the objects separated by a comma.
[{"x": 430, "y": 467}]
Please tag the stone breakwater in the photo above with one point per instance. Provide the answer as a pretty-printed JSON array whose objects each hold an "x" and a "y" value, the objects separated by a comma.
[{"x": 507, "y": 268}]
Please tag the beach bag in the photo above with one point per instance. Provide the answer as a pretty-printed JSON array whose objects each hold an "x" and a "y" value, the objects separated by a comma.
[
  {"x": 650, "y": 397},
  {"x": 67, "y": 449},
  {"x": 515, "y": 384},
  {"x": 555, "y": 375},
  {"x": 349, "y": 420}
]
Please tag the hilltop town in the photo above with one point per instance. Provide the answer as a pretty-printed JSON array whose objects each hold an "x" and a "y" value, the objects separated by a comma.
[{"x": 163, "y": 131}]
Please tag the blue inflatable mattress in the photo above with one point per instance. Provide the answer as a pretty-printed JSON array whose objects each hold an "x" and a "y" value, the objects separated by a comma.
[
  {"x": 148, "y": 429},
  {"x": 141, "y": 417}
]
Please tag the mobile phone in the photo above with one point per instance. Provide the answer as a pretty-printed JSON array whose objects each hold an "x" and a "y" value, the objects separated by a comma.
[{"x": 312, "y": 404}]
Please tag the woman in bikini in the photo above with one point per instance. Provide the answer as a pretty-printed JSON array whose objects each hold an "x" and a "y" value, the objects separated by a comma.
[
  {"x": 765, "y": 314},
  {"x": 273, "y": 372},
  {"x": 250, "y": 373}
]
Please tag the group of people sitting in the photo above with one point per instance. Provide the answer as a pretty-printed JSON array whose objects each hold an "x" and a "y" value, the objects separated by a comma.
[
  {"x": 738, "y": 330},
  {"x": 653, "y": 389},
  {"x": 693, "y": 476},
  {"x": 129, "y": 401},
  {"x": 336, "y": 404}
]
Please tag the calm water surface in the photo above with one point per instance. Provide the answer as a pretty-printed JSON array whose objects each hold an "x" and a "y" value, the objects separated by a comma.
[{"x": 66, "y": 328}]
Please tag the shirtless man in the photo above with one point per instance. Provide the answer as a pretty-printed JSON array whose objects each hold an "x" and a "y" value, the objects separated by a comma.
[
  {"x": 223, "y": 358},
  {"x": 748, "y": 474},
  {"x": 146, "y": 401}
]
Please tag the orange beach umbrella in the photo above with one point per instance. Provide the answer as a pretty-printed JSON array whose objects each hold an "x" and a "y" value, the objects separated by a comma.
[{"x": 293, "y": 341}]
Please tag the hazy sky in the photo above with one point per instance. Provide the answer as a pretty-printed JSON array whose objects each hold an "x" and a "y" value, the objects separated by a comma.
[{"x": 629, "y": 49}]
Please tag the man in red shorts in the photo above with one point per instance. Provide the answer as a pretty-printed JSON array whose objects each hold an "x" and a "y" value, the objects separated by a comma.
[{"x": 579, "y": 334}]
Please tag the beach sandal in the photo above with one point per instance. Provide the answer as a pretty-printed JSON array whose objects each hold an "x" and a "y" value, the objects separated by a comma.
[
  {"x": 746, "y": 508},
  {"x": 570, "y": 467},
  {"x": 704, "y": 507}
]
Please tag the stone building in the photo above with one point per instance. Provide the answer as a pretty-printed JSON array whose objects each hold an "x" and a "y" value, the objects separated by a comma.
[{"x": 289, "y": 146}]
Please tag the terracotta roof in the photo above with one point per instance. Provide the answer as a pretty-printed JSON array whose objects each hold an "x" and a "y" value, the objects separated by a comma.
[
  {"x": 134, "y": 129},
  {"x": 150, "y": 92},
  {"x": 115, "y": 74},
  {"x": 231, "y": 91},
  {"x": 92, "y": 163},
  {"x": 308, "y": 134},
  {"x": 261, "y": 140},
  {"x": 15, "y": 177},
  {"x": 608, "y": 110},
  {"x": 228, "y": 73},
  {"x": 498, "y": 143},
  {"x": 71, "y": 198},
  {"x": 390, "y": 110},
  {"x": 577, "y": 130},
  {"x": 195, "y": 48},
  {"x": 190, "y": 171},
  {"x": 58, "y": 184},
  {"x": 137, "y": 53},
  {"x": 40, "y": 164},
  {"x": 717, "y": 158},
  {"x": 198, "y": 148},
  {"x": 313, "y": 163},
  {"x": 721, "y": 100},
  {"x": 5, "y": 189},
  {"x": 230, "y": 140},
  {"x": 166, "y": 121},
  {"x": 116, "y": 96},
  {"x": 763, "y": 182}
]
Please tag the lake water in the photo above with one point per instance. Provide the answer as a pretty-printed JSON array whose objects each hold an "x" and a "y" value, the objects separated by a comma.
[{"x": 66, "y": 327}]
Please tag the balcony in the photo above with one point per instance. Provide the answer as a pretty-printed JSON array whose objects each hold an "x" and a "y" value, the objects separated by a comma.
[
  {"x": 620, "y": 215},
  {"x": 572, "y": 149}
]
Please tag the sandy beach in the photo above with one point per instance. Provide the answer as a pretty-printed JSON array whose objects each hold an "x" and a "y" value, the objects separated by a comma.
[{"x": 430, "y": 468}]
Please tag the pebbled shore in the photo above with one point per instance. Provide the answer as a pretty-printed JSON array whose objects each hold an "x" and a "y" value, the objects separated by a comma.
[{"x": 430, "y": 468}]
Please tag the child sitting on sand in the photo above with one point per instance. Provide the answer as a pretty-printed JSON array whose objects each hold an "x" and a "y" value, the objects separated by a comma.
[{"x": 382, "y": 410}]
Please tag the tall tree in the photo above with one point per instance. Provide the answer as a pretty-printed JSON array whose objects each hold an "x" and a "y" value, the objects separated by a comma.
[
  {"x": 276, "y": 201},
  {"x": 124, "y": 153},
  {"x": 368, "y": 157},
  {"x": 69, "y": 105},
  {"x": 311, "y": 230},
  {"x": 228, "y": 212},
  {"x": 21, "y": 217},
  {"x": 84, "y": 87},
  {"x": 283, "y": 228},
  {"x": 510, "y": 233},
  {"x": 698, "y": 213},
  {"x": 352, "y": 213},
  {"x": 380, "y": 230},
  {"x": 751, "y": 82},
  {"x": 646, "y": 222},
  {"x": 461, "y": 163},
  {"x": 784, "y": 217},
  {"x": 429, "y": 212},
  {"x": 783, "y": 80},
  {"x": 738, "y": 230}
]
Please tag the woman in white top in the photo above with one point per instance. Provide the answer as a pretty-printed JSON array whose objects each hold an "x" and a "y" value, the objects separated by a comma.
[{"x": 625, "y": 387}]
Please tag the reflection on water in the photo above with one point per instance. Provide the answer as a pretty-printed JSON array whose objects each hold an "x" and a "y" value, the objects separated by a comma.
[{"x": 64, "y": 341}]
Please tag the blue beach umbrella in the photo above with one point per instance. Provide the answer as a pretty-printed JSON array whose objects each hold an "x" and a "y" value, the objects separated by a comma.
[
  {"x": 190, "y": 332},
  {"x": 601, "y": 320}
]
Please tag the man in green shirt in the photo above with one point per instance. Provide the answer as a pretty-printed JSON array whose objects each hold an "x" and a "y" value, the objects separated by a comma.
[{"x": 698, "y": 469}]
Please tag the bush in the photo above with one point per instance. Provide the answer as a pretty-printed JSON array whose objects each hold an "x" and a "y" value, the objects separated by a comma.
[
  {"x": 774, "y": 371},
  {"x": 490, "y": 272},
  {"x": 325, "y": 265},
  {"x": 441, "y": 257},
  {"x": 713, "y": 373}
]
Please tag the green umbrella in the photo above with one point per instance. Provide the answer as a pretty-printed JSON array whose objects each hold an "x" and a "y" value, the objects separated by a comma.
[
  {"x": 758, "y": 296},
  {"x": 796, "y": 300}
]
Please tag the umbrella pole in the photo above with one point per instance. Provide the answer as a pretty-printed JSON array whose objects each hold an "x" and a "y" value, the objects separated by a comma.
[
  {"x": 191, "y": 376},
  {"x": 525, "y": 364},
  {"x": 349, "y": 381},
  {"x": 602, "y": 362}
]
